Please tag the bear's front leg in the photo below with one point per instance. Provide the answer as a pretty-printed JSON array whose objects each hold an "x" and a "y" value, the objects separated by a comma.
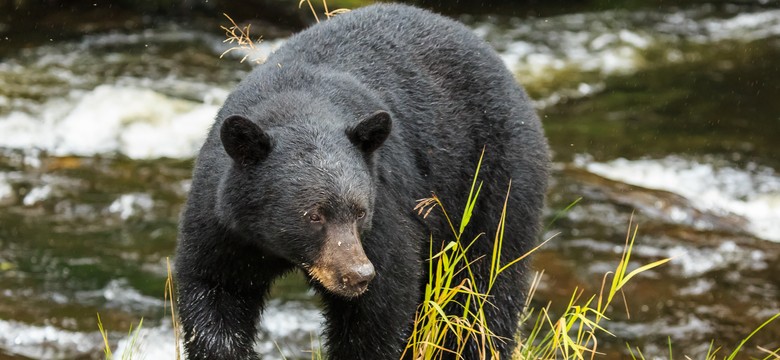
[
  {"x": 218, "y": 322},
  {"x": 222, "y": 283}
]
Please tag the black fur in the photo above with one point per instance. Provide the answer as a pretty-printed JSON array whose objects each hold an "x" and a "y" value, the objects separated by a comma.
[
  {"x": 355, "y": 118},
  {"x": 244, "y": 141}
]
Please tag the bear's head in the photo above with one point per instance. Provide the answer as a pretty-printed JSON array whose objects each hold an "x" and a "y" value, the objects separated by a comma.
[{"x": 304, "y": 192}]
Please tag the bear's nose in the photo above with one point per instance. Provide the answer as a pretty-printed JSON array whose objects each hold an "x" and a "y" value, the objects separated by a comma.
[{"x": 359, "y": 276}]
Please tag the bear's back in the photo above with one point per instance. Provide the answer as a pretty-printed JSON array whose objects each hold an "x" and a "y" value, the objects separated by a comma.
[{"x": 369, "y": 41}]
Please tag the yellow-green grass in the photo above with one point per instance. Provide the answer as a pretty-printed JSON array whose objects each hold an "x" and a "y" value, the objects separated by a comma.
[{"x": 131, "y": 349}]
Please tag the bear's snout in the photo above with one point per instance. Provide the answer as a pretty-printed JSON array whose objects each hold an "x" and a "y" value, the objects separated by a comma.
[{"x": 342, "y": 266}]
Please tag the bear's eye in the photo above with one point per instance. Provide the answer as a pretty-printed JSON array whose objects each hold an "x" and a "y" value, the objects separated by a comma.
[
  {"x": 315, "y": 218},
  {"x": 361, "y": 214}
]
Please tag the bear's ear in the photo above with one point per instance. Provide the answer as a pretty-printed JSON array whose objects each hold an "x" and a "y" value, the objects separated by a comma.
[
  {"x": 244, "y": 141},
  {"x": 371, "y": 132}
]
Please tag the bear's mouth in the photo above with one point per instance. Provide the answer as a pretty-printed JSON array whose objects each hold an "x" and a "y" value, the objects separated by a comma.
[{"x": 348, "y": 284}]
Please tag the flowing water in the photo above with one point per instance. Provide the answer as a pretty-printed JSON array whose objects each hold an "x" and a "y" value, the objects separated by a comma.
[{"x": 669, "y": 115}]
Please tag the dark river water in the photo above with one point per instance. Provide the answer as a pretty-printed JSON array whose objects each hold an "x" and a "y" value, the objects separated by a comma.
[{"x": 669, "y": 114}]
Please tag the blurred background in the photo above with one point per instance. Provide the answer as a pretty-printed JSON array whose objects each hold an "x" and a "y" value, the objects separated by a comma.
[{"x": 667, "y": 110}]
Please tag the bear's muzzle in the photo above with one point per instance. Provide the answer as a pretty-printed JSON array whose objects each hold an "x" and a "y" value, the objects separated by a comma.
[{"x": 342, "y": 266}]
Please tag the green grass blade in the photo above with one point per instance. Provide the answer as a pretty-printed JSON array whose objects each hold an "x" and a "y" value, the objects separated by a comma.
[
  {"x": 472, "y": 199},
  {"x": 104, "y": 334},
  {"x": 742, "y": 343},
  {"x": 127, "y": 354},
  {"x": 641, "y": 269},
  {"x": 563, "y": 212}
]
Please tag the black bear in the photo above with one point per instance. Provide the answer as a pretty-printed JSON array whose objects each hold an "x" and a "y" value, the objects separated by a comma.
[{"x": 315, "y": 162}]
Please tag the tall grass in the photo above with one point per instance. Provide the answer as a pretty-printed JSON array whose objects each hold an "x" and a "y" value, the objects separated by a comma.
[
  {"x": 132, "y": 348},
  {"x": 575, "y": 334},
  {"x": 170, "y": 295},
  {"x": 432, "y": 324}
]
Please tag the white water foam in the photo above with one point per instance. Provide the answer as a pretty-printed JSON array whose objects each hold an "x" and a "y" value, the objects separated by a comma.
[
  {"x": 137, "y": 122},
  {"x": 47, "y": 342},
  {"x": 132, "y": 115},
  {"x": 690, "y": 261},
  {"x": 289, "y": 330},
  {"x": 129, "y": 205},
  {"x": 118, "y": 294},
  {"x": 614, "y": 42},
  {"x": 753, "y": 193},
  {"x": 37, "y": 195},
  {"x": 7, "y": 195}
]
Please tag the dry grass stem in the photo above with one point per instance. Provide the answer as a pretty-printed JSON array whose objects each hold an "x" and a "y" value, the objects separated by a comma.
[
  {"x": 328, "y": 14},
  {"x": 240, "y": 36},
  {"x": 169, "y": 296}
]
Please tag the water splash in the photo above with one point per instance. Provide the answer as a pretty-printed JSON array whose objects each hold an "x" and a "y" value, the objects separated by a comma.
[{"x": 752, "y": 192}]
